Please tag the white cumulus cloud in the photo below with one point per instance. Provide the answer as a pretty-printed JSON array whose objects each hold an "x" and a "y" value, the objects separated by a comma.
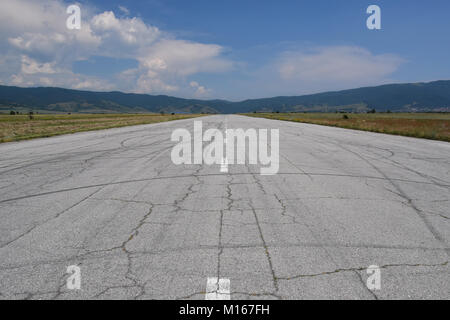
[
  {"x": 200, "y": 91},
  {"x": 36, "y": 48},
  {"x": 41, "y": 50}
]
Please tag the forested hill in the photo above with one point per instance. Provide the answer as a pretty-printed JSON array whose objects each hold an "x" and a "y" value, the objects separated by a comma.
[{"x": 431, "y": 96}]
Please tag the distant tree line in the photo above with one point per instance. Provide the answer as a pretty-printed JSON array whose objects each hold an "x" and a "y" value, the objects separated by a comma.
[{"x": 30, "y": 114}]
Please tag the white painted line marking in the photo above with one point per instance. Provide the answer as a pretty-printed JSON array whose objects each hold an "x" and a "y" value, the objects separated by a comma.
[
  {"x": 217, "y": 289},
  {"x": 224, "y": 165}
]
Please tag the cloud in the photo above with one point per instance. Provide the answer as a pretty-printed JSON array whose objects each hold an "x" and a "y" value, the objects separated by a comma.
[
  {"x": 36, "y": 49},
  {"x": 344, "y": 65},
  {"x": 315, "y": 69},
  {"x": 30, "y": 66},
  {"x": 184, "y": 58},
  {"x": 41, "y": 50},
  {"x": 131, "y": 32},
  {"x": 200, "y": 91},
  {"x": 170, "y": 60},
  {"x": 124, "y": 10}
]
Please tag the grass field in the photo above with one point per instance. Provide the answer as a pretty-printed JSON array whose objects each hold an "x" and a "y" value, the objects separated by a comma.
[
  {"x": 21, "y": 127},
  {"x": 434, "y": 126}
]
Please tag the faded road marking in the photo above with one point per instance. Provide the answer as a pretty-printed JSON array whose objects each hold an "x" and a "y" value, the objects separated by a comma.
[
  {"x": 217, "y": 289},
  {"x": 224, "y": 166}
]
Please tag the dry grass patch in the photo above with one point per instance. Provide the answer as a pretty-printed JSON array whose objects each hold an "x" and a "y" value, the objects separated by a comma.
[
  {"x": 21, "y": 127},
  {"x": 434, "y": 126}
]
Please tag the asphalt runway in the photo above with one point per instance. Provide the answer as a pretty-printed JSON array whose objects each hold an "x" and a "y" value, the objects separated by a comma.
[{"x": 140, "y": 227}]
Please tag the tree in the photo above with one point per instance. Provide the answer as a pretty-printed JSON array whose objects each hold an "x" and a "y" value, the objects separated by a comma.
[{"x": 12, "y": 113}]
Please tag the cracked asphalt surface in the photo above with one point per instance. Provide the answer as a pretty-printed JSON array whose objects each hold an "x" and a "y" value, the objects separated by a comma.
[{"x": 140, "y": 227}]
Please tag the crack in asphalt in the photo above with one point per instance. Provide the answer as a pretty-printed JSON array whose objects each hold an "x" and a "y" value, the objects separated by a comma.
[
  {"x": 402, "y": 194},
  {"x": 204, "y": 175},
  {"x": 277, "y": 204},
  {"x": 311, "y": 275},
  {"x": 284, "y": 209},
  {"x": 269, "y": 258},
  {"x": 47, "y": 220}
]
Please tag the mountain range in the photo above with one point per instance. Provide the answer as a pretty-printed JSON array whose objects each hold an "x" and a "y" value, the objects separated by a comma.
[{"x": 407, "y": 97}]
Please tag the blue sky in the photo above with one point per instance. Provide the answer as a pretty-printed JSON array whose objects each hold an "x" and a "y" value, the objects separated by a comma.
[{"x": 223, "y": 49}]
